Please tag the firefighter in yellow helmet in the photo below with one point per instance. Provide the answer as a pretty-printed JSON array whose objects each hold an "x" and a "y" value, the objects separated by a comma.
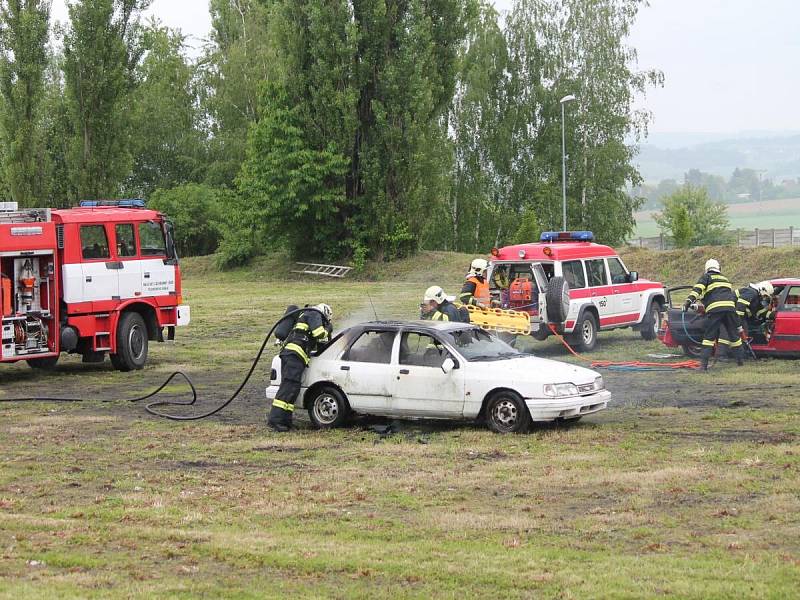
[
  {"x": 716, "y": 293},
  {"x": 475, "y": 290},
  {"x": 310, "y": 333}
]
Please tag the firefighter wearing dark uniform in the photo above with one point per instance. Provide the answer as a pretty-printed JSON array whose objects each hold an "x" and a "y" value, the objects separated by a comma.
[
  {"x": 310, "y": 333},
  {"x": 719, "y": 299},
  {"x": 475, "y": 290},
  {"x": 753, "y": 305},
  {"x": 436, "y": 307}
]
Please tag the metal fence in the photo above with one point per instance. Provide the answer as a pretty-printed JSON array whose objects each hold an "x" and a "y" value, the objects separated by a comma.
[{"x": 771, "y": 238}]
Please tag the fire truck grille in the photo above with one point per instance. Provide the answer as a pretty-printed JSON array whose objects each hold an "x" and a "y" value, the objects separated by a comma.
[{"x": 60, "y": 236}]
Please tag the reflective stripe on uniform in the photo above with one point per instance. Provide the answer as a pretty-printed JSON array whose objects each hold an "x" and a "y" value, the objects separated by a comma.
[
  {"x": 708, "y": 343},
  {"x": 319, "y": 331},
  {"x": 724, "y": 342},
  {"x": 301, "y": 326},
  {"x": 284, "y": 405},
  {"x": 297, "y": 350},
  {"x": 719, "y": 284},
  {"x": 439, "y": 316},
  {"x": 720, "y": 304},
  {"x": 737, "y": 343}
]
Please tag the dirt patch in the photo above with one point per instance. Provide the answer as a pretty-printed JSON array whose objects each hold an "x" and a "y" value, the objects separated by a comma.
[{"x": 733, "y": 435}]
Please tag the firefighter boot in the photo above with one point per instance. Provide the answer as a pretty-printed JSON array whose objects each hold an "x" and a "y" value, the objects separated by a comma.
[
  {"x": 280, "y": 416},
  {"x": 740, "y": 356},
  {"x": 704, "y": 356}
]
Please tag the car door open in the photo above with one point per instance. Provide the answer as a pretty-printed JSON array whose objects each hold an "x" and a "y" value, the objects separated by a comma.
[{"x": 421, "y": 387}]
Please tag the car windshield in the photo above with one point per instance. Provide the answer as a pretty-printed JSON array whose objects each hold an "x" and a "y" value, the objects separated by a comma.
[{"x": 477, "y": 345}]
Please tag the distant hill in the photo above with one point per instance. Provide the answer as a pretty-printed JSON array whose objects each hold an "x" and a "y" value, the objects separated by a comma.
[{"x": 663, "y": 156}]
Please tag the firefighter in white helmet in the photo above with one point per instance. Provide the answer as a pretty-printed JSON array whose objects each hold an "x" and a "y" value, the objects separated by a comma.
[
  {"x": 716, "y": 293},
  {"x": 436, "y": 307},
  {"x": 476, "y": 288},
  {"x": 753, "y": 305},
  {"x": 310, "y": 333}
]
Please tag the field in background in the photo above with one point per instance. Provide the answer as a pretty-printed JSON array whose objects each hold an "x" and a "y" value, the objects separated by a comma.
[
  {"x": 767, "y": 214},
  {"x": 687, "y": 486}
]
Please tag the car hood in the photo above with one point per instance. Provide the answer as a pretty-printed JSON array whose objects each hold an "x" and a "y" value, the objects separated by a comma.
[{"x": 533, "y": 369}]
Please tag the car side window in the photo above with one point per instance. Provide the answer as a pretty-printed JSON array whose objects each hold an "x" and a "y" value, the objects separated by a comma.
[
  {"x": 372, "y": 347},
  {"x": 596, "y": 272},
  {"x": 792, "y": 302},
  {"x": 618, "y": 272},
  {"x": 94, "y": 242},
  {"x": 420, "y": 350},
  {"x": 573, "y": 273},
  {"x": 126, "y": 242}
]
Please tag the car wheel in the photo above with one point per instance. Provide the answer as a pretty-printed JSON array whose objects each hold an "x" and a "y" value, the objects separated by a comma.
[
  {"x": 506, "y": 412},
  {"x": 132, "y": 343},
  {"x": 328, "y": 408},
  {"x": 584, "y": 338},
  {"x": 652, "y": 321},
  {"x": 557, "y": 298},
  {"x": 542, "y": 334},
  {"x": 692, "y": 350},
  {"x": 43, "y": 364}
]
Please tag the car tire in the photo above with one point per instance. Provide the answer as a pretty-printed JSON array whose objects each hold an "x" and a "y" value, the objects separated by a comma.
[
  {"x": 506, "y": 412},
  {"x": 328, "y": 408},
  {"x": 132, "y": 343},
  {"x": 557, "y": 298},
  {"x": 542, "y": 334},
  {"x": 692, "y": 350},
  {"x": 44, "y": 364},
  {"x": 584, "y": 337},
  {"x": 652, "y": 321}
]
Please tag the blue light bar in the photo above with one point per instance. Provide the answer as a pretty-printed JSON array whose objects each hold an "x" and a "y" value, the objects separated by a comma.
[
  {"x": 567, "y": 236},
  {"x": 126, "y": 203}
]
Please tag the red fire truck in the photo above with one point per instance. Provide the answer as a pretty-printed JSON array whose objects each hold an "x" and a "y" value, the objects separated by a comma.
[{"x": 95, "y": 280}]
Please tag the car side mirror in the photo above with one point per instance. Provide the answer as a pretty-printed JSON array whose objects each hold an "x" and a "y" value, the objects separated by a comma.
[
  {"x": 633, "y": 276},
  {"x": 448, "y": 365}
]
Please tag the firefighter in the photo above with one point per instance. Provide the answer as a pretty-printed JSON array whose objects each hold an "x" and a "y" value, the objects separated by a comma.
[
  {"x": 436, "y": 307},
  {"x": 716, "y": 293},
  {"x": 310, "y": 333},
  {"x": 476, "y": 288},
  {"x": 753, "y": 305}
]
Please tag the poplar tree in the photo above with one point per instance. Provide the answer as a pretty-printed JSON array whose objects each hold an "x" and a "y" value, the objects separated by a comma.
[{"x": 24, "y": 28}]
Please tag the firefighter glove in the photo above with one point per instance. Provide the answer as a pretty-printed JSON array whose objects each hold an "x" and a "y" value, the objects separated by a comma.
[{"x": 687, "y": 304}]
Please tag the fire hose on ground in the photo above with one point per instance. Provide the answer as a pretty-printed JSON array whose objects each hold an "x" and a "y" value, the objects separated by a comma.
[{"x": 151, "y": 407}]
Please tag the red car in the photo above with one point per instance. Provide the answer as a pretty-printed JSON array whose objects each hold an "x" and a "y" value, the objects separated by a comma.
[{"x": 781, "y": 338}]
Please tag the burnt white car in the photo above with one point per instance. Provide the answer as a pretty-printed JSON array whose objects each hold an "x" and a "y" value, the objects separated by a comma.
[{"x": 440, "y": 370}]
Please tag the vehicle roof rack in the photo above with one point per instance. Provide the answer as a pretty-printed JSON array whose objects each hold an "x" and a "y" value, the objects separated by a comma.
[{"x": 123, "y": 203}]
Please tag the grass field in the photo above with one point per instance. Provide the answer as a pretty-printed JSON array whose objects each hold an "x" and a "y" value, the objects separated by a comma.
[
  {"x": 768, "y": 214},
  {"x": 688, "y": 486}
]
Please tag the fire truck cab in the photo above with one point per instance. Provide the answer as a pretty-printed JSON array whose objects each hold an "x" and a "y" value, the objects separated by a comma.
[
  {"x": 577, "y": 286},
  {"x": 99, "y": 279}
]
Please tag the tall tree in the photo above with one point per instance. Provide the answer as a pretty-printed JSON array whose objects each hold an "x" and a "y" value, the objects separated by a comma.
[
  {"x": 24, "y": 28},
  {"x": 164, "y": 101},
  {"x": 102, "y": 48},
  {"x": 234, "y": 67}
]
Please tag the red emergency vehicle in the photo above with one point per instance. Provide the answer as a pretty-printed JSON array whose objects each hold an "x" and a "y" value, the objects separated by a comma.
[
  {"x": 95, "y": 280},
  {"x": 579, "y": 287}
]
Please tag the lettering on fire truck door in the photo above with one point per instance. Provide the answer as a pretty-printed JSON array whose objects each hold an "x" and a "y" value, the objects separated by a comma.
[{"x": 158, "y": 278}]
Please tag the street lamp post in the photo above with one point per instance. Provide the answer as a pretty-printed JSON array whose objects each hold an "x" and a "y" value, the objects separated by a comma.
[{"x": 564, "y": 100}]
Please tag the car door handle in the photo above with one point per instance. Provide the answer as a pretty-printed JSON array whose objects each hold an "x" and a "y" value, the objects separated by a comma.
[
  {"x": 114, "y": 265},
  {"x": 344, "y": 368},
  {"x": 147, "y": 275},
  {"x": 404, "y": 371},
  {"x": 89, "y": 279}
]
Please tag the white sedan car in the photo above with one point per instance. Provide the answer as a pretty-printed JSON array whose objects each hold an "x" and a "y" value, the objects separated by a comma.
[{"x": 439, "y": 370}]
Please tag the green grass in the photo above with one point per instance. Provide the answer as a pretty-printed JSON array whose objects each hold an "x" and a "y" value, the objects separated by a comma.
[{"x": 688, "y": 486}]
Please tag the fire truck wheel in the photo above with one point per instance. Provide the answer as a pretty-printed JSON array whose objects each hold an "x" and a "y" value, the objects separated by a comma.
[
  {"x": 651, "y": 321},
  {"x": 328, "y": 408},
  {"x": 44, "y": 364},
  {"x": 131, "y": 343},
  {"x": 506, "y": 412},
  {"x": 584, "y": 337},
  {"x": 557, "y": 298}
]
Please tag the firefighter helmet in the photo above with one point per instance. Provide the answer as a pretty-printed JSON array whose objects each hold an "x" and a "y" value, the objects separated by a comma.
[
  {"x": 325, "y": 310},
  {"x": 764, "y": 288},
  {"x": 434, "y": 294},
  {"x": 478, "y": 267},
  {"x": 712, "y": 265}
]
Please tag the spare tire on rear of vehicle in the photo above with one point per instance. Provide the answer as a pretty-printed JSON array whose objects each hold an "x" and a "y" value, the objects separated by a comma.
[{"x": 557, "y": 297}]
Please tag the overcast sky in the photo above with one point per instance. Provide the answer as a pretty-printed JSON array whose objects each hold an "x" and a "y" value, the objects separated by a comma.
[{"x": 731, "y": 66}]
